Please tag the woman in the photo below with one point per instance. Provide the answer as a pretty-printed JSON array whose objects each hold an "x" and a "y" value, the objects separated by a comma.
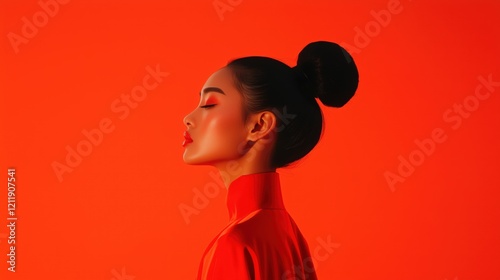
[{"x": 255, "y": 115}]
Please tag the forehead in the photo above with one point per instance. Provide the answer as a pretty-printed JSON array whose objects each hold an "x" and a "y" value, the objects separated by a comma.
[{"x": 223, "y": 79}]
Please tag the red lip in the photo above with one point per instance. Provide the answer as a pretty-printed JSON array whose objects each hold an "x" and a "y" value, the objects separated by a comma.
[{"x": 187, "y": 139}]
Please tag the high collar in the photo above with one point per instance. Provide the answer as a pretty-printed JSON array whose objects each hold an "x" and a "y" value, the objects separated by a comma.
[{"x": 251, "y": 192}]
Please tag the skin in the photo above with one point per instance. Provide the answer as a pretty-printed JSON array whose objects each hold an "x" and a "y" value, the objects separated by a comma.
[{"x": 221, "y": 138}]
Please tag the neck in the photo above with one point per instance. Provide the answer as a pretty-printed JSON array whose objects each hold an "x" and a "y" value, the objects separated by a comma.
[
  {"x": 256, "y": 160},
  {"x": 252, "y": 192},
  {"x": 231, "y": 170}
]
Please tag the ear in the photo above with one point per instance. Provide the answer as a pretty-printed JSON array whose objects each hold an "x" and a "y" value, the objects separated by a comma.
[{"x": 261, "y": 126}]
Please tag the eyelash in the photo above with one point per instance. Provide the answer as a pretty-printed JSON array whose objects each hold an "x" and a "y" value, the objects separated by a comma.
[{"x": 207, "y": 106}]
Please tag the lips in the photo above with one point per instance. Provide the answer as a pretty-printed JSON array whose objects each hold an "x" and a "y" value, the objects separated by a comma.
[{"x": 187, "y": 139}]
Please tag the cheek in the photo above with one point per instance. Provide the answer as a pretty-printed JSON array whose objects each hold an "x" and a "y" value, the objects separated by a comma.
[
  {"x": 223, "y": 125},
  {"x": 224, "y": 131}
]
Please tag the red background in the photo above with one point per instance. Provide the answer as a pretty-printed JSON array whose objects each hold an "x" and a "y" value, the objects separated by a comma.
[{"x": 117, "y": 213}]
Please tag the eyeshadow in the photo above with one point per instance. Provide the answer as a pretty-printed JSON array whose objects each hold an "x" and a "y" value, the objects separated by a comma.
[{"x": 211, "y": 100}]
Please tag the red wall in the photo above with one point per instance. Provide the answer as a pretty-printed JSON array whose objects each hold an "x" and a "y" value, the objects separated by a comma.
[{"x": 403, "y": 184}]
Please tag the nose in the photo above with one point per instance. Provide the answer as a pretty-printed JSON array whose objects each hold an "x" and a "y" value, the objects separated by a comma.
[{"x": 187, "y": 120}]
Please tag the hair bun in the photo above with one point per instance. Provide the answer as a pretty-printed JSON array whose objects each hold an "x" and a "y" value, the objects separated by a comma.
[{"x": 327, "y": 72}]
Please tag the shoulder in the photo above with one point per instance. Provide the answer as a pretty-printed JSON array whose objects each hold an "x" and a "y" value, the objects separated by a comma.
[
  {"x": 233, "y": 241},
  {"x": 233, "y": 237},
  {"x": 232, "y": 259},
  {"x": 265, "y": 227}
]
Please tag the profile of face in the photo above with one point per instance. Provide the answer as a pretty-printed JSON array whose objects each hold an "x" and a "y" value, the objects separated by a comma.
[{"x": 216, "y": 125}]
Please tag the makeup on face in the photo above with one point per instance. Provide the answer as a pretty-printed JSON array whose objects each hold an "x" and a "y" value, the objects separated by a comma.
[
  {"x": 215, "y": 123},
  {"x": 187, "y": 139},
  {"x": 211, "y": 101}
]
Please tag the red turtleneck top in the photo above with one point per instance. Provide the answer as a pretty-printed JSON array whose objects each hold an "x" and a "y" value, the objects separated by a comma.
[{"x": 261, "y": 240}]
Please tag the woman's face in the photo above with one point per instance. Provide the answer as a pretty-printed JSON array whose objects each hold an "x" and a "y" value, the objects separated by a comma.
[{"x": 216, "y": 125}]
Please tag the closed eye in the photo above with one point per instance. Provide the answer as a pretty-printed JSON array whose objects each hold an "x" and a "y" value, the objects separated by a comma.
[{"x": 207, "y": 106}]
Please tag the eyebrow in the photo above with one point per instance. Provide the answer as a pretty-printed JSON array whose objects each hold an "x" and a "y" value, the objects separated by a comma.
[{"x": 215, "y": 89}]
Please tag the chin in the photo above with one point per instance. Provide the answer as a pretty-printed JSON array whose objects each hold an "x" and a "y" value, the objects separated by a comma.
[{"x": 190, "y": 160}]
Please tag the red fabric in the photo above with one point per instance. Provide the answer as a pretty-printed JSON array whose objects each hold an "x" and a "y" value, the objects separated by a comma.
[{"x": 261, "y": 240}]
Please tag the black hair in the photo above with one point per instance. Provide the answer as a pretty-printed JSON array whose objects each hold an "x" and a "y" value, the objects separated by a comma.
[{"x": 324, "y": 70}]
